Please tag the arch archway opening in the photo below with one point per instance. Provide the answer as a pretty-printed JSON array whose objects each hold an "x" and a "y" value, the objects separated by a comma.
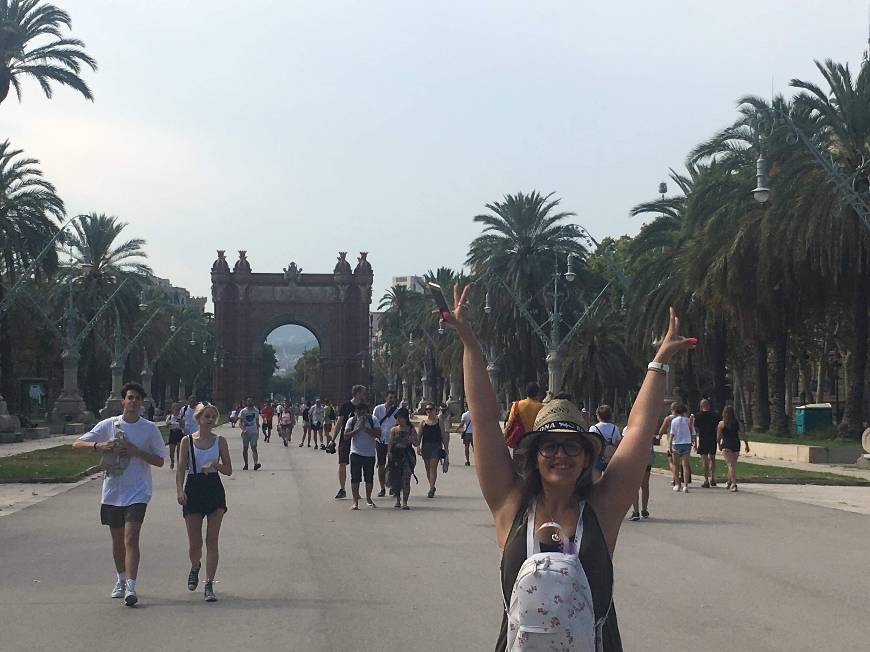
[{"x": 291, "y": 364}]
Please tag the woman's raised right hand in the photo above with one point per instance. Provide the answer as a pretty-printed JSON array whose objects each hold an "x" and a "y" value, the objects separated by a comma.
[{"x": 456, "y": 318}]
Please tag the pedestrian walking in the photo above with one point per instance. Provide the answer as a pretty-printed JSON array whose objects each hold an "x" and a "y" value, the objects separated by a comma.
[
  {"x": 306, "y": 425},
  {"x": 643, "y": 513},
  {"x": 234, "y": 416},
  {"x": 359, "y": 395},
  {"x": 611, "y": 434},
  {"x": 188, "y": 422},
  {"x": 267, "y": 415},
  {"x": 316, "y": 415},
  {"x": 173, "y": 424},
  {"x": 728, "y": 434},
  {"x": 682, "y": 440},
  {"x": 285, "y": 423},
  {"x": 363, "y": 431},
  {"x": 130, "y": 446},
  {"x": 705, "y": 423},
  {"x": 328, "y": 421},
  {"x": 557, "y": 528},
  {"x": 444, "y": 422},
  {"x": 664, "y": 431},
  {"x": 401, "y": 458},
  {"x": 431, "y": 446},
  {"x": 385, "y": 414},
  {"x": 521, "y": 419},
  {"x": 467, "y": 429},
  {"x": 200, "y": 492},
  {"x": 249, "y": 422}
]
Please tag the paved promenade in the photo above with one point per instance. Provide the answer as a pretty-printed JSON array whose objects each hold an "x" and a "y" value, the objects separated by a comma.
[{"x": 299, "y": 571}]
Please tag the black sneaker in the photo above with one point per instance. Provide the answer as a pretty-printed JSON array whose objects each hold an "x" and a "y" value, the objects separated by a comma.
[
  {"x": 644, "y": 514},
  {"x": 257, "y": 466},
  {"x": 382, "y": 493},
  {"x": 193, "y": 577},
  {"x": 245, "y": 467},
  {"x": 341, "y": 494},
  {"x": 634, "y": 517},
  {"x": 209, "y": 593}
]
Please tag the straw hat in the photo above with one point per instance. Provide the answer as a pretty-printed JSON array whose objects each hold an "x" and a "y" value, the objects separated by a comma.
[{"x": 561, "y": 415}]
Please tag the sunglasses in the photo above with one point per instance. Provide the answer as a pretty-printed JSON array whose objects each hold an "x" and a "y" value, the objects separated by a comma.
[{"x": 551, "y": 448}]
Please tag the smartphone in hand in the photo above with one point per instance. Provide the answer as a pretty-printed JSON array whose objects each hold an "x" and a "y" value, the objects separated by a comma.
[{"x": 440, "y": 301}]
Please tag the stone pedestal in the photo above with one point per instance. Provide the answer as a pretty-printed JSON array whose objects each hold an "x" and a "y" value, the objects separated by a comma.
[
  {"x": 69, "y": 406},
  {"x": 554, "y": 374},
  {"x": 113, "y": 403},
  {"x": 454, "y": 401}
]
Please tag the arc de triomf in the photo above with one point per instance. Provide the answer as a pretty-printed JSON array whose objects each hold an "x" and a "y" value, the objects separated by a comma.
[{"x": 249, "y": 306}]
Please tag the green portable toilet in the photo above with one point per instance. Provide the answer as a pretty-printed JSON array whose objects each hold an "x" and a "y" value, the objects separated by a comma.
[{"x": 813, "y": 417}]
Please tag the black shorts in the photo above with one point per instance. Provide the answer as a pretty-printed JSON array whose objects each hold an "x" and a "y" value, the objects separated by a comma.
[
  {"x": 116, "y": 517},
  {"x": 343, "y": 452},
  {"x": 706, "y": 446},
  {"x": 467, "y": 437},
  {"x": 316, "y": 426},
  {"x": 267, "y": 425},
  {"x": 175, "y": 436},
  {"x": 382, "y": 453},
  {"x": 362, "y": 466},
  {"x": 205, "y": 494}
]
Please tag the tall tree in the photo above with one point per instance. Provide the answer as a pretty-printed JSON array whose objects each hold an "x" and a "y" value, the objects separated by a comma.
[
  {"x": 523, "y": 237},
  {"x": 841, "y": 112},
  {"x": 29, "y": 211},
  {"x": 32, "y": 45}
]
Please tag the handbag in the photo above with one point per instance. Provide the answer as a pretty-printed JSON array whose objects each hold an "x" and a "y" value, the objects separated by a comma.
[{"x": 515, "y": 428}]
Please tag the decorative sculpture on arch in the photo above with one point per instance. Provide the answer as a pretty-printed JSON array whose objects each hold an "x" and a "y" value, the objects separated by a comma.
[
  {"x": 291, "y": 273},
  {"x": 342, "y": 266}
]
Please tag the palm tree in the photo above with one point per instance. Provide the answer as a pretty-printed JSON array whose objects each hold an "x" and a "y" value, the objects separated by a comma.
[
  {"x": 29, "y": 210},
  {"x": 103, "y": 259},
  {"x": 24, "y": 26},
  {"x": 843, "y": 242},
  {"x": 521, "y": 236}
]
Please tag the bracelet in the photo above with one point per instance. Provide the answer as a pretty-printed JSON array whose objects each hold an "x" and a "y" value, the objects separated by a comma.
[
  {"x": 659, "y": 368},
  {"x": 95, "y": 445}
]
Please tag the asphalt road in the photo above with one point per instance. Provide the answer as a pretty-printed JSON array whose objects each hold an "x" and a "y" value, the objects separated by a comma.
[{"x": 711, "y": 570}]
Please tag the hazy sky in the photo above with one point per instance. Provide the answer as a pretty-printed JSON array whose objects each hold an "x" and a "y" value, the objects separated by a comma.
[{"x": 298, "y": 129}]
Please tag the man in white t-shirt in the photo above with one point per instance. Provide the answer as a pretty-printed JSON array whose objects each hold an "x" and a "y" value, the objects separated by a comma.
[
  {"x": 127, "y": 487},
  {"x": 249, "y": 423},
  {"x": 384, "y": 414},
  {"x": 189, "y": 424},
  {"x": 466, "y": 429},
  {"x": 363, "y": 430}
]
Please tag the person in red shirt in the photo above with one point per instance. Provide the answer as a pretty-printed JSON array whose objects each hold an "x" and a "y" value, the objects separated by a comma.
[{"x": 266, "y": 414}]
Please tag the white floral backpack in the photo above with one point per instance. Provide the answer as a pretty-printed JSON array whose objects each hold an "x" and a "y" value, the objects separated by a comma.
[{"x": 551, "y": 606}]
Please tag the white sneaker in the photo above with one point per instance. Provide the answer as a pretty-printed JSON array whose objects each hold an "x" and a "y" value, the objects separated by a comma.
[
  {"x": 678, "y": 487},
  {"x": 130, "y": 598},
  {"x": 118, "y": 591},
  {"x": 686, "y": 489}
]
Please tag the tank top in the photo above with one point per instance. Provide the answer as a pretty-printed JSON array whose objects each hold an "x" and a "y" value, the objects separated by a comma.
[
  {"x": 731, "y": 437},
  {"x": 596, "y": 562},
  {"x": 200, "y": 456},
  {"x": 680, "y": 433},
  {"x": 431, "y": 434}
]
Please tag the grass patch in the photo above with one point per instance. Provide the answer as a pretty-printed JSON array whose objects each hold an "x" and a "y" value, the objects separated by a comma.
[
  {"x": 762, "y": 473},
  {"x": 813, "y": 439},
  {"x": 57, "y": 464}
]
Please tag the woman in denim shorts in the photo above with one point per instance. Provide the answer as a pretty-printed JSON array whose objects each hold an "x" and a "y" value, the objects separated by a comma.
[{"x": 682, "y": 440}]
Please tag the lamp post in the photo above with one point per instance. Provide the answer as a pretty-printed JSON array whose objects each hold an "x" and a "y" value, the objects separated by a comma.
[
  {"x": 553, "y": 342},
  {"x": 844, "y": 183},
  {"x": 113, "y": 402},
  {"x": 69, "y": 407}
]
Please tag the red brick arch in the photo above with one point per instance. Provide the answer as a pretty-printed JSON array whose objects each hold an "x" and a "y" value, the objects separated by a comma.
[{"x": 249, "y": 306}]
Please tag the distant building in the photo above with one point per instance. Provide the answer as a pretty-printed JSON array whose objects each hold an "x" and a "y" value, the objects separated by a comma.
[
  {"x": 413, "y": 283},
  {"x": 176, "y": 295}
]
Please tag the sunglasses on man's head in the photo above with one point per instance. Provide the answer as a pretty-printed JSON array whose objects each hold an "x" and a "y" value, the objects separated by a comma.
[{"x": 551, "y": 448}]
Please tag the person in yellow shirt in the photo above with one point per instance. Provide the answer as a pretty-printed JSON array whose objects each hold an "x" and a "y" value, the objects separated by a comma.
[{"x": 527, "y": 409}]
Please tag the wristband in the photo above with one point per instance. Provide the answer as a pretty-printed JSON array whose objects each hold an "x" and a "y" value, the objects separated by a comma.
[
  {"x": 95, "y": 445},
  {"x": 659, "y": 368}
]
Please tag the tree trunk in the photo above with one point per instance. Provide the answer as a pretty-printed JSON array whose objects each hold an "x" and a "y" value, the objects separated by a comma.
[
  {"x": 778, "y": 414},
  {"x": 718, "y": 353},
  {"x": 762, "y": 392},
  {"x": 7, "y": 385},
  {"x": 853, "y": 417}
]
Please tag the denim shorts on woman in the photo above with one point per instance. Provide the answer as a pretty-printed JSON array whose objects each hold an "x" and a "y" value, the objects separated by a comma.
[{"x": 682, "y": 449}]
